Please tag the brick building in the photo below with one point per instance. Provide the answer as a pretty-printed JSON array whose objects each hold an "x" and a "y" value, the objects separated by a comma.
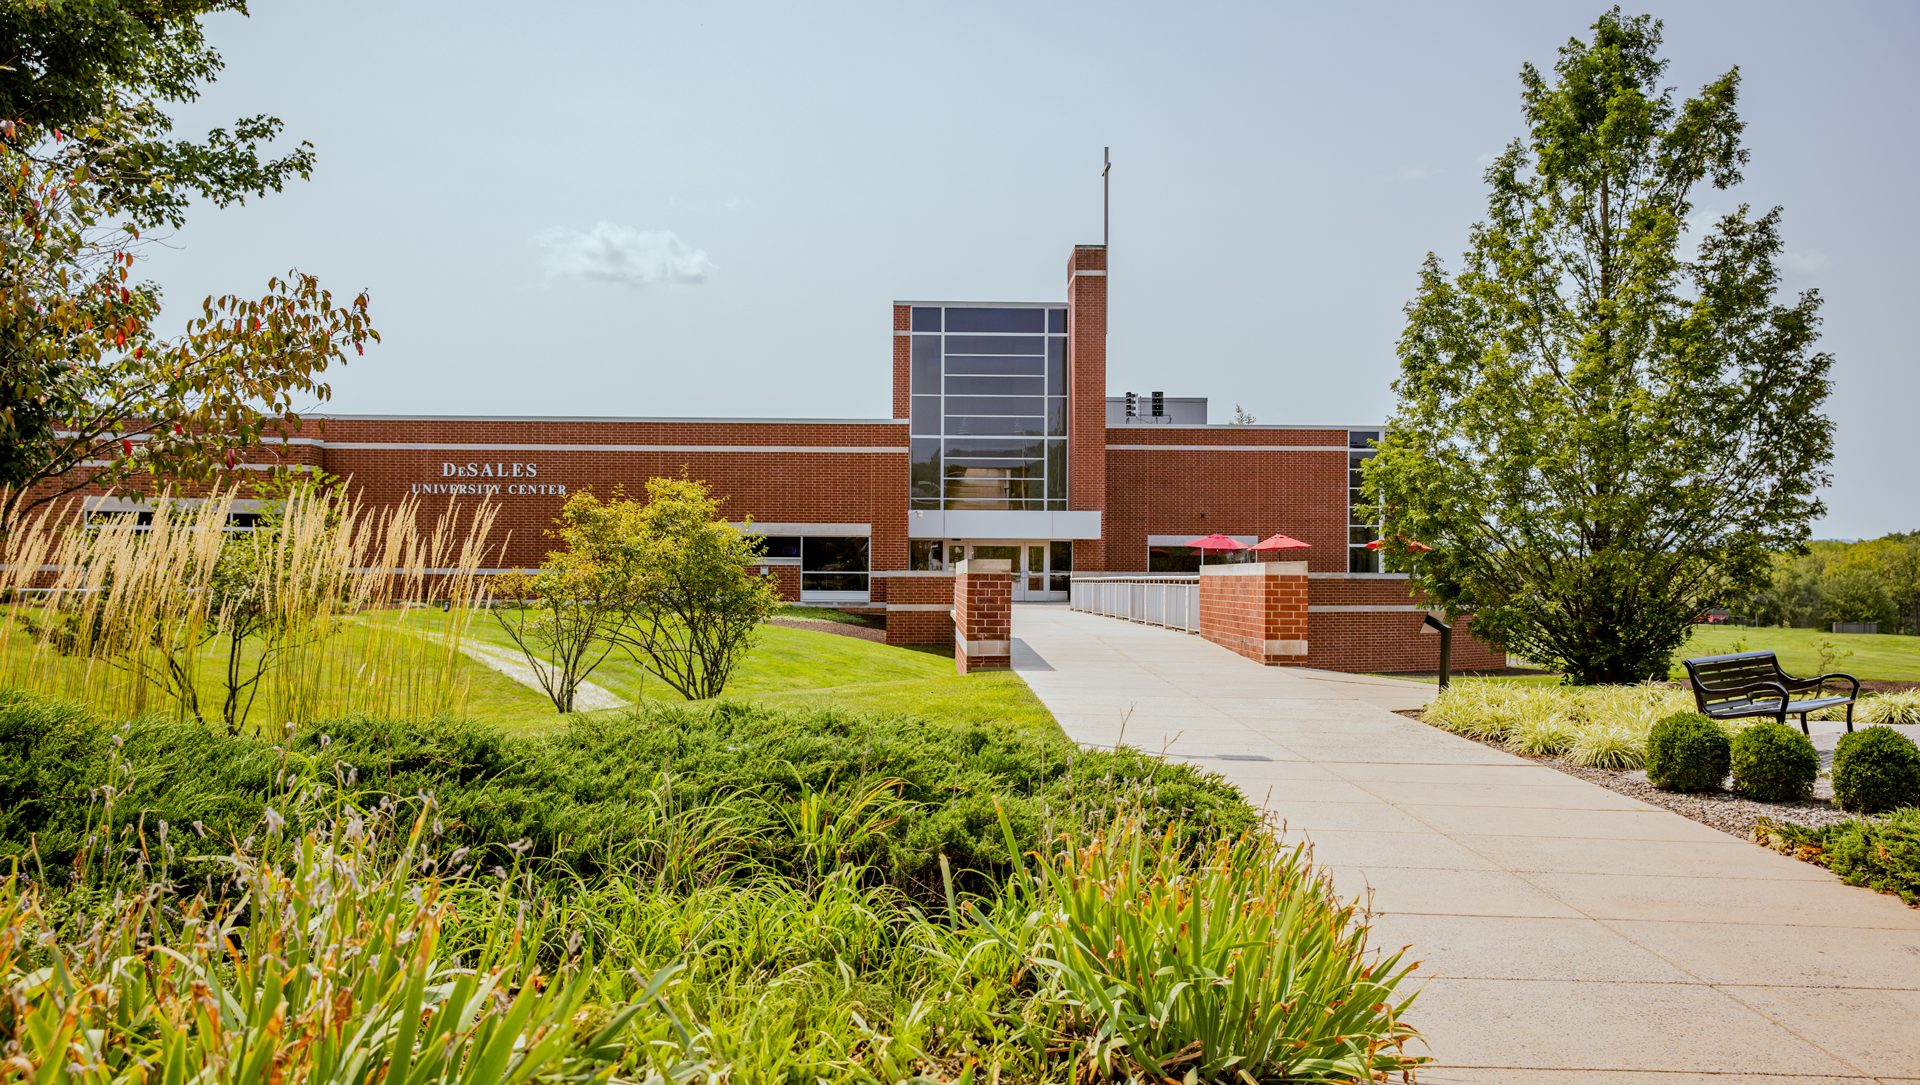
[{"x": 1004, "y": 445}]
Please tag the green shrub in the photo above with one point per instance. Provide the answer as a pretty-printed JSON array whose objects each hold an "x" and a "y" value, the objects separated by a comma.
[
  {"x": 686, "y": 791},
  {"x": 1687, "y": 752},
  {"x": 1875, "y": 769},
  {"x": 1881, "y": 855},
  {"x": 1774, "y": 763}
]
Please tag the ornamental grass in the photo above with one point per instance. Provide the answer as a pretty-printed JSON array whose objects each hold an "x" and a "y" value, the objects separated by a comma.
[
  {"x": 1899, "y": 707},
  {"x": 1594, "y": 726},
  {"x": 188, "y": 616},
  {"x": 1204, "y": 965}
]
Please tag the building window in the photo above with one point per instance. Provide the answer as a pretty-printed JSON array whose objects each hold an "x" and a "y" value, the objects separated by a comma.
[
  {"x": 1173, "y": 559},
  {"x": 925, "y": 555},
  {"x": 1361, "y": 527},
  {"x": 830, "y": 563},
  {"x": 988, "y": 418},
  {"x": 780, "y": 546}
]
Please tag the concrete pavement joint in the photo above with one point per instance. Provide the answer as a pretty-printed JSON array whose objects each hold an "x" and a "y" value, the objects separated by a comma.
[{"x": 1548, "y": 877}]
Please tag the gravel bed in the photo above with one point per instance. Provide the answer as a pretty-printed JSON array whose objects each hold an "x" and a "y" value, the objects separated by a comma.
[{"x": 1725, "y": 812}]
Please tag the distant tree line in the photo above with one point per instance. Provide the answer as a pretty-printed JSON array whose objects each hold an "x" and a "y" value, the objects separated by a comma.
[{"x": 1875, "y": 580}]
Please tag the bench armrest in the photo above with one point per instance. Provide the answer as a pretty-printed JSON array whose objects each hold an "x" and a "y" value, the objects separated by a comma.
[{"x": 1822, "y": 681}]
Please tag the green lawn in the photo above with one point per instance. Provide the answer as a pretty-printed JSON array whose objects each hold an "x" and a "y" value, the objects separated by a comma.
[
  {"x": 794, "y": 667},
  {"x": 1882, "y": 656},
  {"x": 1872, "y": 656}
]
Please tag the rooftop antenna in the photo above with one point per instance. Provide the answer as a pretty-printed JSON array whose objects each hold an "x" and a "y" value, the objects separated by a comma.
[{"x": 1106, "y": 158}]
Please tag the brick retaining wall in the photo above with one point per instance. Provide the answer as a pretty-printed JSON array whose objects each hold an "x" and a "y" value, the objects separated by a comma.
[{"x": 1258, "y": 611}]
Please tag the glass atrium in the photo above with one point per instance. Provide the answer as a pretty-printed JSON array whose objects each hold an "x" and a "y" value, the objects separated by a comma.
[{"x": 989, "y": 413}]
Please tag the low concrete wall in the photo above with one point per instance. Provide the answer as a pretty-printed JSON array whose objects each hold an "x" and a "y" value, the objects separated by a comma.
[{"x": 983, "y": 615}]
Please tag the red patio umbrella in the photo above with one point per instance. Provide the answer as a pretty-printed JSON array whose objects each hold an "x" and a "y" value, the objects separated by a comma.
[
  {"x": 1215, "y": 541},
  {"x": 1281, "y": 542}
]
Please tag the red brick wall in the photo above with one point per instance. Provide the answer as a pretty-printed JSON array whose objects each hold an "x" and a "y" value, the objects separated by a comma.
[
  {"x": 1087, "y": 393},
  {"x": 775, "y": 472},
  {"x": 1384, "y": 641},
  {"x": 1163, "y": 480},
  {"x": 902, "y": 362},
  {"x": 1246, "y": 608},
  {"x": 916, "y": 590},
  {"x": 787, "y": 576},
  {"x": 982, "y": 612}
]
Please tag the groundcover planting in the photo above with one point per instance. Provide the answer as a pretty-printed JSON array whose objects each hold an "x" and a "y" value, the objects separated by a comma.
[
  {"x": 1880, "y": 854},
  {"x": 697, "y": 893}
]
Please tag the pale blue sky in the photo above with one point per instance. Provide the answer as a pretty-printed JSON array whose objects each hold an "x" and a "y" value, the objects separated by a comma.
[{"x": 1280, "y": 171}]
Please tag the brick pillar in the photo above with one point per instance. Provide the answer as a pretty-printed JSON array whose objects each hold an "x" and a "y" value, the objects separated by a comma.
[
  {"x": 1258, "y": 611},
  {"x": 902, "y": 360},
  {"x": 920, "y": 608},
  {"x": 983, "y": 615},
  {"x": 1087, "y": 394}
]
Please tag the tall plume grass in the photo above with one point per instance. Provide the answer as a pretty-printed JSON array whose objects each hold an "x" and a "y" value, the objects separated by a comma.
[{"x": 314, "y": 618}]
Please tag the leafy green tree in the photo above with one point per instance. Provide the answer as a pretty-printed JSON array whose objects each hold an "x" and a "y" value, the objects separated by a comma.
[
  {"x": 695, "y": 608},
  {"x": 1599, "y": 431},
  {"x": 96, "y": 75},
  {"x": 90, "y": 395},
  {"x": 665, "y": 580},
  {"x": 1852, "y": 592},
  {"x": 1895, "y": 562}
]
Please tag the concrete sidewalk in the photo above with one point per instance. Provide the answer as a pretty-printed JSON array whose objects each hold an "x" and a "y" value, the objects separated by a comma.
[{"x": 1570, "y": 935}]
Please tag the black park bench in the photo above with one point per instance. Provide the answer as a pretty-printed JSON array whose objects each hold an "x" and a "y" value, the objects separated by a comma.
[{"x": 1752, "y": 684}]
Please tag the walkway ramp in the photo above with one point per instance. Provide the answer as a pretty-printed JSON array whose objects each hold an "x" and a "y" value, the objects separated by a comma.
[{"x": 1571, "y": 935}]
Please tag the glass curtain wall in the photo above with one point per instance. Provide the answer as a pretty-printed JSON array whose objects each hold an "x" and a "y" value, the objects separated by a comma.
[
  {"x": 989, "y": 412},
  {"x": 1360, "y": 529}
]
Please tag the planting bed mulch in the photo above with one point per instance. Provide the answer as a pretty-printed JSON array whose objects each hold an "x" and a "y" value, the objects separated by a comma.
[
  {"x": 1726, "y": 812},
  {"x": 824, "y": 625}
]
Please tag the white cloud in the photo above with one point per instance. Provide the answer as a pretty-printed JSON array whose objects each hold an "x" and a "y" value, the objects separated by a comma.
[
  {"x": 1805, "y": 261},
  {"x": 611, "y": 253}
]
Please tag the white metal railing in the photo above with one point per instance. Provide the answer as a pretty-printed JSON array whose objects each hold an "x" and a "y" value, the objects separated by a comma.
[{"x": 1172, "y": 601}]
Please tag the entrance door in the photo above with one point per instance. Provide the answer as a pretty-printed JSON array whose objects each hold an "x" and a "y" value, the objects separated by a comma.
[
  {"x": 1030, "y": 579},
  {"x": 1039, "y": 568}
]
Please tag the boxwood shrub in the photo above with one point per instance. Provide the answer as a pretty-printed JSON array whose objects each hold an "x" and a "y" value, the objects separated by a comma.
[
  {"x": 1687, "y": 752},
  {"x": 1774, "y": 763},
  {"x": 1875, "y": 769}
]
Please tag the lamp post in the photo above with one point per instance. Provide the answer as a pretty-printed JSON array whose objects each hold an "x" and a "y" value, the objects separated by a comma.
[{"x": 1446, "y": 647}]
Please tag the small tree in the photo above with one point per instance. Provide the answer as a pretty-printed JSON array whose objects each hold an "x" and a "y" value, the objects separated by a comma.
[
  {"x": 1599, "y": 432},
  {"x": 695, "y": 607},
  {"x": 563, "y": 616}
]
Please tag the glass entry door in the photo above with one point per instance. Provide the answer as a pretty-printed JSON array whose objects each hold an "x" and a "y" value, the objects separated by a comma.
[
  {"x": 1040, "y": 569},
  {"x": 1030, "y": 578}
]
